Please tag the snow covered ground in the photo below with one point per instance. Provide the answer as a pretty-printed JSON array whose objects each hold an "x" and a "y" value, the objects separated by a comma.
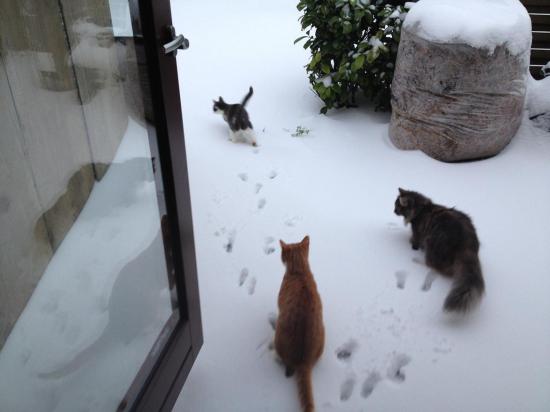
[{"x": 338, "y": 185}]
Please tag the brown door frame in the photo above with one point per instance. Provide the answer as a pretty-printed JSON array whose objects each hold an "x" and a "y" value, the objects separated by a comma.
[{"x": 159, "y": 381}]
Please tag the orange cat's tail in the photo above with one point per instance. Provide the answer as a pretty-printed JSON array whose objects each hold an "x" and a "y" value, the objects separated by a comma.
[{"x": 303, "y": 376}]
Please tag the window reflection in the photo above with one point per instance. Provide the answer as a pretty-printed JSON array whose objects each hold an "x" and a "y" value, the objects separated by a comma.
[{"x": 84, "y": 288}]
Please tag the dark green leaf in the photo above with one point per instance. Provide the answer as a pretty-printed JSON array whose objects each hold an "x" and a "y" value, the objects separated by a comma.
[
  {"x": 358, "y": 63},
  {"x": 347, "y": 27}
]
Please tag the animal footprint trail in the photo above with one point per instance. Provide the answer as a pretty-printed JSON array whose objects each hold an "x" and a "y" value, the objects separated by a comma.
[
  {"x": 243, "y": 276},
  {"x": 273, "y": 174},
  {"x": 395, "y": 371},
  {"x": 268, "y": 247},
  {"x": 261, "y": 203},
  {"x": 243, "y": 176},
  {"x": 258, "y": 187},
  {"x": 230, "y": 241},
  {"x": 291, "y": 222},
  {"x": 346, "y": 351},
  {"x": 252, "y": 286},
  {"x": 401, "y": 278},
  {"x": 370, "y": 383},
  {"x": 428, "y": 280},
  {"x": 346, "y": 389}
]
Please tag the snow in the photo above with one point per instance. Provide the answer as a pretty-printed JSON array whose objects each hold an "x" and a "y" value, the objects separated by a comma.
[
  {"x": 326, "y": 80},
  {"x": 483, "y": 24},
  {"x": 537, "y": 102},
  {"x": 538, "y": 96},
  {"x": 106, "y": 283},
  {"x": 388, "y": 348},
  {"x": 376, "y": 43}
]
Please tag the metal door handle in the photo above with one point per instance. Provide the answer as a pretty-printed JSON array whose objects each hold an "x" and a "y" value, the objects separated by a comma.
[{"x": 177, "y": 42}]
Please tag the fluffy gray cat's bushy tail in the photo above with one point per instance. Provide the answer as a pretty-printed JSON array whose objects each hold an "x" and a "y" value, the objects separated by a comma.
[{"x": 468, "y": 286}]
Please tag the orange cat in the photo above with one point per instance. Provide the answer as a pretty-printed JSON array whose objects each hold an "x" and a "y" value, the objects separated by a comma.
[{"x": 299, "y": 333}]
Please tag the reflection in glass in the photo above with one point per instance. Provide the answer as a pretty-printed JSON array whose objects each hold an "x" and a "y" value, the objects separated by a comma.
[{"x": 84, "y": 291}]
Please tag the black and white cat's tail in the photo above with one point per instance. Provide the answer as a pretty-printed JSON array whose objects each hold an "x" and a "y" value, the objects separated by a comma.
[
  {"x": 248, "y": 96},
  {"x": 468, "y": 286}
]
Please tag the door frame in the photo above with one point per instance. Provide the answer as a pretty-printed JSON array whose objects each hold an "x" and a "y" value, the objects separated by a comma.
[{"x": 159, "y": 381}]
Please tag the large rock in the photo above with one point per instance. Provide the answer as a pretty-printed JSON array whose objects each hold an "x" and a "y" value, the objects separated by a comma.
[{"x": 455, "y": 101}]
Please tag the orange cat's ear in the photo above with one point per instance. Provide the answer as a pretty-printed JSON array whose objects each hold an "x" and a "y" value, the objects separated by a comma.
[
  {"x": 283, "y": 244},
  {"x": 305, "y": 245}
]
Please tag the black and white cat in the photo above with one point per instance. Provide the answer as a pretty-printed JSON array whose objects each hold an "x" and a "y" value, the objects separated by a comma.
[{"x": 236, "y": 116}]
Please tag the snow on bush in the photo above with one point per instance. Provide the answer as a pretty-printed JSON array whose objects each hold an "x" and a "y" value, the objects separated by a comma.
[{"x": 353, "y": 46}]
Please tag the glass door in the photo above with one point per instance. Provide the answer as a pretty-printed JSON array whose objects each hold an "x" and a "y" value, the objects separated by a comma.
[{"x": 98, "y": 294}]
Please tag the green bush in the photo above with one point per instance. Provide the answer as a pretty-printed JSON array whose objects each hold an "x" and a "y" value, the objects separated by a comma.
[{"x": 353, "y": 46}]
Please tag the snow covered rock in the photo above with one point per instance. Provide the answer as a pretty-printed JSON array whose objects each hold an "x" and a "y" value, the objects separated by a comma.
[{"x": 460, "y": 81}]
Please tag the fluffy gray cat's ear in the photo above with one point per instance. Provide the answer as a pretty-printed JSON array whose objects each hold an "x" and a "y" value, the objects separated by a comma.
[
  {"x": 221, "y": 99},
  {"x": 401, "y": 191}
]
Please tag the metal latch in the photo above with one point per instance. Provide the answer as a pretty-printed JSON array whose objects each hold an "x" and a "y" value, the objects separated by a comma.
[{"x": 177, "y": 42}]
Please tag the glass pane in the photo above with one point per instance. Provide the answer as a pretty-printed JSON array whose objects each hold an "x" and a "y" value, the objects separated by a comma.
[{"x": 84, "y": 286}]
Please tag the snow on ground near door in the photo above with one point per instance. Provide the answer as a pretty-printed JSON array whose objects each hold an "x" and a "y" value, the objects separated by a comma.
[{"x": 338, "y": 185}]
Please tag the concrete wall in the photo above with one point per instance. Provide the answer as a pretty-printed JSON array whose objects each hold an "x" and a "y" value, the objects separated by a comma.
[{"x": 25, "y": 249}]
